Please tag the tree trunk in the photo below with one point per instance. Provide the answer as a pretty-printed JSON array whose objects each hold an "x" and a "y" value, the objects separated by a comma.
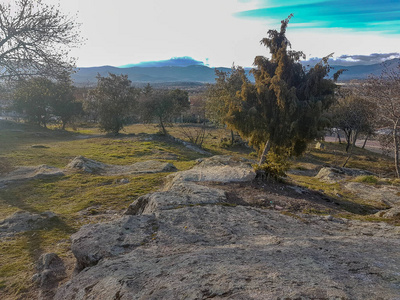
[
  {"x": 164, "y": 131},
  {"x": 396, "y": 148},
  {"x": 338, "y": 136},
  {"x": 264, "y": 153},
  {"x": 348, "y": 139},
  {"x": 350, "y": 152},
  {"x": 365, "y": 141},
  {"x": 232, "y": 138}
]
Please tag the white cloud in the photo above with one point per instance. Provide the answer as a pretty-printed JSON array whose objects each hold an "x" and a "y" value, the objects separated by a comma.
[{"x": 120, "y": 32}]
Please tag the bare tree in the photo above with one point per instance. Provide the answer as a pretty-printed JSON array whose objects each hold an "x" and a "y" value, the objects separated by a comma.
[
  {"x": 35, "y": 39},
  {"x": 384, "y": 90}
]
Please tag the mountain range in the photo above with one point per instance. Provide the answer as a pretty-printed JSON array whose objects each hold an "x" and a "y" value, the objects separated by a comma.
[{"x": 184, "y": 72}]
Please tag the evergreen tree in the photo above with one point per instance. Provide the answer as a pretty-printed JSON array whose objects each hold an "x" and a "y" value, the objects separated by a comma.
[
  {"x": 281, "y": 111},
  {"x": 114, "y": 99}
]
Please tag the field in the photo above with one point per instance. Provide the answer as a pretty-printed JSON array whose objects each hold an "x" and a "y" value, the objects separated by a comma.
[{"x": 81, "y": 198}]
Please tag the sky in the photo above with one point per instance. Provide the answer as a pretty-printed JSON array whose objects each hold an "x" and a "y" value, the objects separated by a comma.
[{"x": 225, "y": 32}]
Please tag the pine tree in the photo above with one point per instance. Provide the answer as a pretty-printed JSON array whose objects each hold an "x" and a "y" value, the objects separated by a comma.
[{"x": 281, "y": 111}]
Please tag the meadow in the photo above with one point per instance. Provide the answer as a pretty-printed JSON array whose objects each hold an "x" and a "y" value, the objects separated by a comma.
[{"x": 81, "y": 198}]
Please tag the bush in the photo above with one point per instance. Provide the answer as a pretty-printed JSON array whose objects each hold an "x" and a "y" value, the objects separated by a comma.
[{"x": 275, "y": 166}]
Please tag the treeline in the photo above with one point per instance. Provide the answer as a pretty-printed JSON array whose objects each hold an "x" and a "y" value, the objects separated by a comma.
[
  {"x": 286, "y": 108},
  {"x": 112, "y": 104}
]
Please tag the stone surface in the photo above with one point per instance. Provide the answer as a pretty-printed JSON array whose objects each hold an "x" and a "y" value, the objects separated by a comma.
[
  {"x": 51, "y": 270},
  {"x": 336, "y": 174},
  {"x": 24, "y": 221},
  {"x": 20, "y": 174},
  {"x": 187, "y": 242},
  {"x": 218, "y": 169},
  {"x": 387, "y": 195},
  {"x": 83, "y": 164}
]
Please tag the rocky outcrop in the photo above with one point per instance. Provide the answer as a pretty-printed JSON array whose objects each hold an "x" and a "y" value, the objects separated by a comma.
[
  {"x": 217, "y": 169},
  {"x": 336, "y": 174},
  {"x": 51, "y": 270},
  {"x": 20, "y": 174},
  {"x": 24, "y": 221},
  {"x": 189, "y": 242},
  {"x": 83, "y": 164}
]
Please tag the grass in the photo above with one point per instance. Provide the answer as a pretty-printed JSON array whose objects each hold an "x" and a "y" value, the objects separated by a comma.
[
  {"x": 79, "y": 198},
  {"x": 68, "y": 196}
]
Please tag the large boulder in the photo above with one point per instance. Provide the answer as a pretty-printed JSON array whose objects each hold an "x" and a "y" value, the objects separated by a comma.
[
  {"x": 189, "y": 242},
  {"x": 216, "y": 169}
]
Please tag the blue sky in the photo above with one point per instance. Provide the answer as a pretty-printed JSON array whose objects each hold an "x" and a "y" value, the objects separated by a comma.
[
  {"x": 222, "y": 32},
  {"x": 358, "y": 15}
]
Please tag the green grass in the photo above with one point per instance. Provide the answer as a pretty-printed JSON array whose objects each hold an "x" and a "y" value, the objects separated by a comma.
[
  {"x": 78, "y": 197},
  {"x": 68, "y": 196}
]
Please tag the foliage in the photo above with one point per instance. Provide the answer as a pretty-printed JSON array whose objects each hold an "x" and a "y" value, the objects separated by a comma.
[
  {"x": 162, "y": 106},
  {"x": 224, "y": 93},
  {"x": 64, "y": 104},
  {"x": 40, "y": 99},
  {"x": 354, "y": 115},
  {"x": 275, "y": 166},
  {"x": 114, "y": 100},
  {"x": 282, "y": 109},
  {"x": 35, "y": 39},
  {"x": 33, "y": 98},
  {"x": 384, "y": 91}
]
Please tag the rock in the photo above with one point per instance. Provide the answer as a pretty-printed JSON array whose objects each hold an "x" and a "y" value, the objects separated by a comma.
[
  {"x": 40, "y": 146},
  {"x": 94, "y": 242},
  {"x": 51, "y": 270},
  {"x": 20, "y": 174},
  {"x": 336, "y": 174},
  {"x": 24, "y": 221},
  {"x": 217, "y": 169},
  {"x": 389, "y": 213},
  {"x": 83, "y": 164},
  {"x": 238, "y": 252},
  {"x": 179, "y": 195},
  {"x": 187, "y": 242},
  {"x": 386, "y": 195},
  {"x": 124, "y": 181}
]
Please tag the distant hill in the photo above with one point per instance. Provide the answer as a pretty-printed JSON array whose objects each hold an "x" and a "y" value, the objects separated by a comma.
[
  {"x": 195, "y": 73},
  {"x": 185, "y": 61},
  {"x": 201, "y": 73},
  {"x": 363, "y": 71}
]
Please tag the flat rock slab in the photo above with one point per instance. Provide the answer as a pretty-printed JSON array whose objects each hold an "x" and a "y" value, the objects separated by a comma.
[
  {"x": 87, "y": 165},
  {"x": 239, "y": 252},
  {"x": 188, "y": 242},
  {"x": 333, "y": 175},
  {"x": 217, "y": 169},
  {"x": 24, "y": 221},
  {"x": 28, "y": 173},
  {"x": 389, "y": 195}
]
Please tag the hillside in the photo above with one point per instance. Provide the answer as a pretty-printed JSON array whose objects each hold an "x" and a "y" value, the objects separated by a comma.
[{"x": 200, "y": 73}]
